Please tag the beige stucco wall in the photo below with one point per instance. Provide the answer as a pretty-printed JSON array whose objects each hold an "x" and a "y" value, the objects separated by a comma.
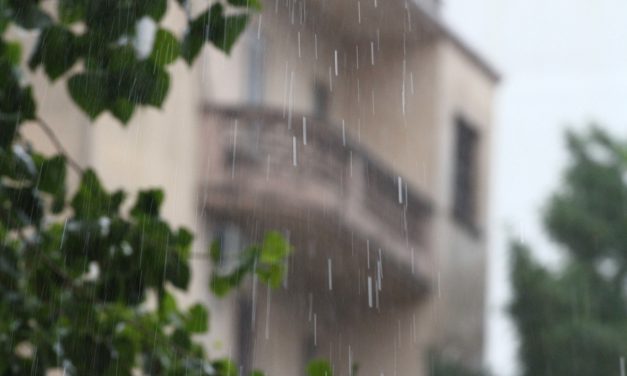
[
  {"x": 461, "y": 255},
  {"x": 416, "y": 140}
]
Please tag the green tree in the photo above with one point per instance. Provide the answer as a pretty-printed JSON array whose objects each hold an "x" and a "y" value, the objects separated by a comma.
[
  {"x": 574, "y": 321},
  {"x": 441, "y": 365},
  {"x": 76, "y": 270}
]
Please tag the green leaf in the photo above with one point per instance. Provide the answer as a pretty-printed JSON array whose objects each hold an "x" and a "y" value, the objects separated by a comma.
[
  {"x": 271, "y": 274},
  {"x": 159, "y": 88},
  {"x": 251, "y": 4},
  {"x": 156, "y": 9},
  {"x": 17, "y": 103},
  {"x": 166, "y": 48},
  {"x": 224, "y": 367},
  {"x": 148, "y": 203},
  {"x": 212, "y": 26},
  {"x": 88, "y": 90},
  {"x": 111, "y": 20},
  {"x": 220, "y": 286},
  {"x": 12, "y": 51},
  {"x": 177, "y": 272},
  {"x": 167, "y": 306},
  {"x": 30, "y": 16},
  {"x": 319, "y": 368},
  {"x": 134, "y": 81},
  {"x": 184, "y": 240},
  {"x": 71, "y": 11},
  {"x": 215, "y": 251},
  {"x": 191, "y": 46},
  {"x": 52, "y": 174},
  {"x": 122, "y": 109},
  {"x": 224, "y": 31},
  {"x": 25, "y": 206},
  {"x": 274, "y": 248},
  {"x": 91, "y": 201},
  {"x": 181, "y": 339},
  {"x": 57, "y": 50},
  {"x": 143, "y": 83},
  {"x": 197, "y": 319},
  {"x": 9, "y": 129}
]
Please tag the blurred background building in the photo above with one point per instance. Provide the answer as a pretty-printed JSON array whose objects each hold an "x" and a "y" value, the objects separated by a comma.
[{"x": 361, "y": 131}]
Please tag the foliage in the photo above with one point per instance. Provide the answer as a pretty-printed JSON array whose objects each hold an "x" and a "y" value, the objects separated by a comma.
[
  {"x": 73, "y": 293},
  {"x": 85, "y": 285},
  {"x": 265, "y": 261},
  {"x": 319, "y": 368},
  {"x": 444, "y": 366},
  {"x": 104, "y": 63},
  {"x": 574, "y": 321}
]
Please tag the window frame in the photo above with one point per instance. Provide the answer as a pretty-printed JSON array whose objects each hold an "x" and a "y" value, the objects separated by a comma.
[{"x": 466, "y": 174}]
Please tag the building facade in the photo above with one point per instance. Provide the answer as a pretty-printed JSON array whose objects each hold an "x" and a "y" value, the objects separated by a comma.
[{"x": 358, "y": 129}]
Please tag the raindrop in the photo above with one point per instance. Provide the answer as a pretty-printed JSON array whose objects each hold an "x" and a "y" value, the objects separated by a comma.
[
  {"x": 413, "y": 258},
  {"x": 299, "y": 44},
  {"x": 285, "y": 86},
  {"x": 294, "y": 150},
  {"x": 268, "y": 301},
  {"x": 372, "y": 53},
  {"x": 369, "y": 291},
  {"x": 310, "y": 306},
  {"x": 379, "y": 275},
  {"x": 330, "y": 274},
  {"x": 63, "y": 234},
  {"x": 291, "y": 102},
  {"x": 315, "y": 330},
  {"x": 350, "y": 361},
  {"x": 330, "y": 80},
  {"x": 414, "y": 327},
  {"x": 359, "y": 12},
  {"x": 234, "y": 150},
  {"x": 350, "y": 163},
  {"x": 254, "y": 298},
  {"x": 373, "y": 101}
]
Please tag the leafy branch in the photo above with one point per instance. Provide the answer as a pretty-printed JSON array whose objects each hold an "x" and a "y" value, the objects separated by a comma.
[{"x": 76, "y": 272}]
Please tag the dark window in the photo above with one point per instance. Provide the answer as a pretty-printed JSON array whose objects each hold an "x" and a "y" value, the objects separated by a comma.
[{"x": 466, "y": 174}]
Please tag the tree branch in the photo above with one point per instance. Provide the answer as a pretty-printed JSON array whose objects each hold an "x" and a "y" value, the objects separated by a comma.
[{"x": 58, "y": 145}]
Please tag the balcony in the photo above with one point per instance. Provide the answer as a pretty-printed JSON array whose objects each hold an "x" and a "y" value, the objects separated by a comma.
[{"x": 264, "y": 170}]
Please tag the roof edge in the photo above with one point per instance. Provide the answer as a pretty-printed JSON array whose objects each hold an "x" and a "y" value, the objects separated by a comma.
[{"x": 458, "y": 42}]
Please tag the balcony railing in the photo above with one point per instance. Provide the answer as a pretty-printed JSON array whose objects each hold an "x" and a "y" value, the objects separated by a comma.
[{"x": 264, "y": 161}]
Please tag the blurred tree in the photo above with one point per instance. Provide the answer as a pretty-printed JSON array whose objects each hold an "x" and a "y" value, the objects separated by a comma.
[
  {"x": 77, "y": 272},
  {"x": 441, "y": 365},
  {"x": 574, "y": 321}
]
